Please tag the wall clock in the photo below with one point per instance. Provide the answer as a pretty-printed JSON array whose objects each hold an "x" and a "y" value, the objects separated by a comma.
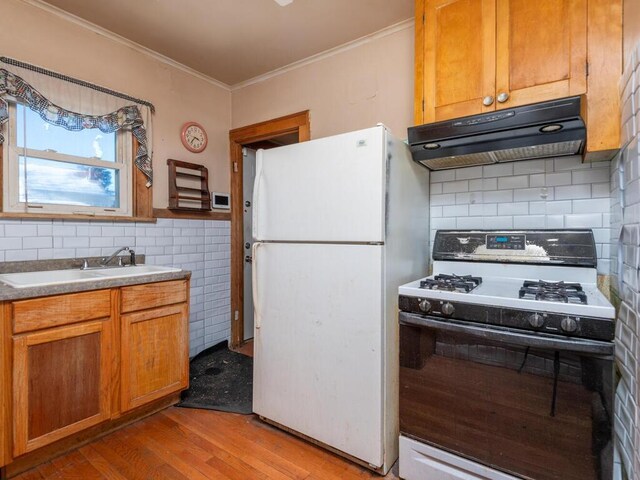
[{"x": 193, "y": 137}]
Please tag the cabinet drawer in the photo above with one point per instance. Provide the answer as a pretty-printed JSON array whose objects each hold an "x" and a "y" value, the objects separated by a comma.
[
  {"x": 39, "y": 313},
  {"x": 150, "y": 295}
]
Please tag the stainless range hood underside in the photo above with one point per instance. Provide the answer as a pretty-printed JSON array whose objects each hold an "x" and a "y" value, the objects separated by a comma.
[{"x": 502, "y": 156}]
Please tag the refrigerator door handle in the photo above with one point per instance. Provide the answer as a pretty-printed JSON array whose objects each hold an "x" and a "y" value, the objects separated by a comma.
[
  {"x": 256, "y": 196},
  {"x": 257, "y": 319}
]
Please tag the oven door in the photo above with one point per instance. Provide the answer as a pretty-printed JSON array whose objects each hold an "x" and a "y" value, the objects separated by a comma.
[{"x": 532, "y": 405}]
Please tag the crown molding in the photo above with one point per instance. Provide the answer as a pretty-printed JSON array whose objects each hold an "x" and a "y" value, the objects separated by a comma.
[
  {"x": 391, "y": 29},
  {"x": 124, "y": 41}
]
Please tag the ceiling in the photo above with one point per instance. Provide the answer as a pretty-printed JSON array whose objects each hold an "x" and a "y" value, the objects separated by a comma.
[{"x": 236, "y": 40}]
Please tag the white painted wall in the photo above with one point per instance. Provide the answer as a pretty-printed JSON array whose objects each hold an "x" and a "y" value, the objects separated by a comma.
[{"x": 201, "y": 246}]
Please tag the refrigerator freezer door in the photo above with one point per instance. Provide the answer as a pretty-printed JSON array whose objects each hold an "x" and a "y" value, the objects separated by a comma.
[
  {"x": 318, "y": 343},
  {"x": 326, "y": 190}
]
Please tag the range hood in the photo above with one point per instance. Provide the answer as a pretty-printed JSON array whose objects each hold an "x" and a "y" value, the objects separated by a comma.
[{"x": 547, "y": 129}]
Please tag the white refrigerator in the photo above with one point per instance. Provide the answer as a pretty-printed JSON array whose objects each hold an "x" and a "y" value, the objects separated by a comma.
[{"x": 339, "y": 223}]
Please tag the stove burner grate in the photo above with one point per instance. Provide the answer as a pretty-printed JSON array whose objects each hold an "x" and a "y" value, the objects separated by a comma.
[
  {"x": 553, "y": 291},
  {"x": 452, "y": 283}
]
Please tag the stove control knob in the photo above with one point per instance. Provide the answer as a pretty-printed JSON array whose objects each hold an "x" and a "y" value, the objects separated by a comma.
[
  {"x": 424, "y": 305},
  {"x": 448, "y": 309},
  {"x": 536, "y": 321},
  {"x": 569, "y": 324}
]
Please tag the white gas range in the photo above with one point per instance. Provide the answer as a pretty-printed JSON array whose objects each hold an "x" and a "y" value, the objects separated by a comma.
[{"x": 517, "y": 341}]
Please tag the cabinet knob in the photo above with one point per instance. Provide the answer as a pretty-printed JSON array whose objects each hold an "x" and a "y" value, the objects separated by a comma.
[
  {"x": 503, "y": 97},
  {"x": 488, "y": 100}
]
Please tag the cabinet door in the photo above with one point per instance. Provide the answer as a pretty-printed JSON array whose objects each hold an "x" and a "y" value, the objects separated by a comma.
[
  {"x": 154, "y": 354},
  {"x": 61, "y": 383},
  {"x": 459, "y": 58},
  {"x": 541, "y": 50}
]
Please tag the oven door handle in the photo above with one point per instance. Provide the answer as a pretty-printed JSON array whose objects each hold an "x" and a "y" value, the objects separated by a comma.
[{"x": 501, "y": 334}]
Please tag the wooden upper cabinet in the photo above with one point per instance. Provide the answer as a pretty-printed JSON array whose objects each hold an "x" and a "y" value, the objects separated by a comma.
[
  {"x": 476, "y": 56},
  {"x": 541, "y": 50},
  {"x": 459, "y": 57}
]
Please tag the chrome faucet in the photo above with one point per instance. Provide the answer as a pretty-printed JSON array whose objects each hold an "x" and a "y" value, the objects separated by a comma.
[{"x": 105, "y": 260}]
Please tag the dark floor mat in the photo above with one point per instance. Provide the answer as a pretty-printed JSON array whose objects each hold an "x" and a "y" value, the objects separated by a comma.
[{"x": 220, "y": 380}]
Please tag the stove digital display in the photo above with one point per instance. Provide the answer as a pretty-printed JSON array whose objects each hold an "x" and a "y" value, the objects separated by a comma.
[{"x": 506, "y": 242}]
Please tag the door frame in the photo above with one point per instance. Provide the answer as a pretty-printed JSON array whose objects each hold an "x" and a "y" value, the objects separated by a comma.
[{"x": 238, "y": 137}]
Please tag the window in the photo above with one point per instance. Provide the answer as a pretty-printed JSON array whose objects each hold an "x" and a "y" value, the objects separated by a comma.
[{"x": 53, "y": 170}]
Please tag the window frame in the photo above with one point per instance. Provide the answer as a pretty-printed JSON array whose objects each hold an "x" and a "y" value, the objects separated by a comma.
[{"x": 10, "y": 183}]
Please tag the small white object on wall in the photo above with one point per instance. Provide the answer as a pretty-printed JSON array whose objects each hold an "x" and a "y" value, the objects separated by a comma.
[{"x": 220, "y": 200}]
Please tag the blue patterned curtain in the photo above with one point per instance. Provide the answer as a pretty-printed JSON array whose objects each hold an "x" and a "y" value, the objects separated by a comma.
[{"x": 13, "y": 86}]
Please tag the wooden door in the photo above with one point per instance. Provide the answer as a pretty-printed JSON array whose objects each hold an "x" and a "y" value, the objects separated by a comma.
[
  {"x": 154, "y": 354},
  {"x": 60, "y": 383},
  {"x": 459, "y": 58},
  {"x": 541, "y": 50}
]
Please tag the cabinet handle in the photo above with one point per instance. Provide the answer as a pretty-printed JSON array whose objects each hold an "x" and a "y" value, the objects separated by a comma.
[
  {"x": 503, "y": 97},
  {"x": 488, "y": 100}
]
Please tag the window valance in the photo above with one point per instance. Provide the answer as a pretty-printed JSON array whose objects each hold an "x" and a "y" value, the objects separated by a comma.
[{"x": 15, "y": 87}]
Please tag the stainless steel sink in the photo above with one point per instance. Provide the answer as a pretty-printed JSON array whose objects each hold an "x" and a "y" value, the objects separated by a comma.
[{"x": 58, "y": 277}]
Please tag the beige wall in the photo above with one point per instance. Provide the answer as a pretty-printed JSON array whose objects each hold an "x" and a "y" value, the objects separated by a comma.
[
  {"x": 631, "y": 25},
  {"x": 33, "y": 35},
  {"x": 354, "y": 89}
]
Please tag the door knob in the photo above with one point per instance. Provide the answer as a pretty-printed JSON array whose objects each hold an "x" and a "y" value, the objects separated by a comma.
[
  {"x": 488, "y": 100},
  {"x": 503, "y": 97}
]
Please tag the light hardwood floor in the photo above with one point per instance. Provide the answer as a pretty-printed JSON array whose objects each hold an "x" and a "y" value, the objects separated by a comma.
[{"x": 180, "y": 443}]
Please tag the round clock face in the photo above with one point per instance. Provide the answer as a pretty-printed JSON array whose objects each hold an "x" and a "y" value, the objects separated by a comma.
[{"x": 194, "y": 138}]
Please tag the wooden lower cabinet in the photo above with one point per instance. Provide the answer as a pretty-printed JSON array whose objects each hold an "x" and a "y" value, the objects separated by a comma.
[
  {"x": 66, "y": 370},
  {"x": 154, "y": 354},
  {"x": 61, "y": 383}
]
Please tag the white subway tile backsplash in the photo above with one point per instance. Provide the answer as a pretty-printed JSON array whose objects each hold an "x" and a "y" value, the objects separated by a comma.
[
  {"x": 210, "y": 286},
  {"x": 436, "y": 188},
  {"x": 533, "y": 194},
  {"x": 468, "y": 173},
  {"x": 443, "y": 176},
  {"x": 519, "y": 208},
  {"x": 584, "y": 220},
  {"x": 529, "y": 167},
  {"x": 443, "y": 223},
  {"x": 519, "y": 181},
  {"x": 569, "y": 163},
  {"x": 455, "y": 211},
  {"x": 556, "y": 179},
  {"x": 455, "y": 187},
  {"x": 573, "y": 192},
  {"x": 593, "y": 175},
  {"x": 464, "y": 223},
  {"x": 530, "y": 221},
  {"x": 498, "y": 222},
  {"x": 549, "y": 193},
  {"x": 498, "y": 196},
  {"x": 498, "y": 170},
  {"x": 600, "y": 205},
  {"x": 444, "y": 199}
]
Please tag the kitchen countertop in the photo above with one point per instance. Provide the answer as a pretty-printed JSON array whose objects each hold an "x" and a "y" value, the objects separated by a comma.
[{"x": 9, "y": 293}]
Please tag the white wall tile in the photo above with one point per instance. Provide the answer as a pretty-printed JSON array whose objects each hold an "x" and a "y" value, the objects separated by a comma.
[
  {"x": 519, "y": 181},
  {"x": 443, "y": 176},
  {"x": 573, "y": 192},
  {"x": 498, "y": 170},
  {"x": 593, "y": 175},
  {"x": 210, "y": 287},
  {"x": 455, "y": 187},
  {"x": 468, "y": 173},
  {"x": 519, "y": 208}
]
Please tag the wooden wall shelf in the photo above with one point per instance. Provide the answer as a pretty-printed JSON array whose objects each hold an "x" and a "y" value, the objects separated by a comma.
[{"x": 188, "y": 197}]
